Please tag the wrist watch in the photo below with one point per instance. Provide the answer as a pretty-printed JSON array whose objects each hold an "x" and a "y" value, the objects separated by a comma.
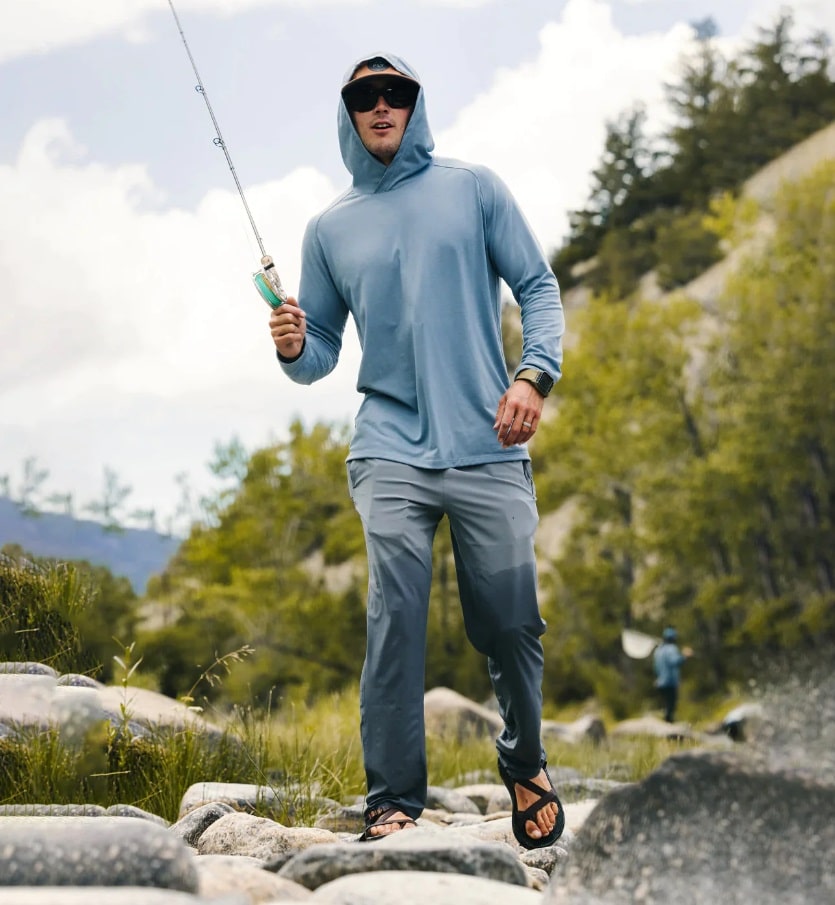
[{"x": 541, "y": 380}]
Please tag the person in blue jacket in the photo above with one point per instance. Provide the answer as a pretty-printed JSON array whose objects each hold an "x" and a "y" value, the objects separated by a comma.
[
  {"x": 667, "y": 661},
  {"x": 415, "y": 251}
]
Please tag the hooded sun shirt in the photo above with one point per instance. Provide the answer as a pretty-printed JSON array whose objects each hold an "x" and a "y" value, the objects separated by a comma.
[{"x": 415, "y": 252}]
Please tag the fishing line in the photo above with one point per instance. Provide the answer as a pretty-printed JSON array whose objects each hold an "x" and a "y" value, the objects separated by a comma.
[{"x": 266, "y": 279}]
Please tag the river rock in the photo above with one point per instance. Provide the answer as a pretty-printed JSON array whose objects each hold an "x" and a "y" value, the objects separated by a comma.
[
  {"x": 708, "y": 827},
  {"x": 420, "y": 888},
  {"x": 410, "y": 850},
  {"x": 92, "y": 851}
]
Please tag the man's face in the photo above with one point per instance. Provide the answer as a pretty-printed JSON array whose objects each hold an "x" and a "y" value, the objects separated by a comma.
[{"x": 381, "y": 129}]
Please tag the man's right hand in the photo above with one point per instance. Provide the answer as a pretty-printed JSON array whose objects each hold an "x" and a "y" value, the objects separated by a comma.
[{"x": 287, "y": 327}]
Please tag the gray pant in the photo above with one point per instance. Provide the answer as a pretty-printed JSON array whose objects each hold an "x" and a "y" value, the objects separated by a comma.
[{"x": 493, "y": 517}]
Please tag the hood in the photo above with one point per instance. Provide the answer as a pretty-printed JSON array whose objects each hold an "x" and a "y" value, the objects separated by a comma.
[
  {"x": 670, "y": 635},
  {"x": 369, "y": 174}
]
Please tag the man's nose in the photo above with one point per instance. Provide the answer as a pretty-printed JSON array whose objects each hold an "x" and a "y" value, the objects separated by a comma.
[{"x": 381, "y": 102}]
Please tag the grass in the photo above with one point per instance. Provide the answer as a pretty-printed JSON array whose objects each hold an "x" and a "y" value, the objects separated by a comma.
[{"x": 303, "y": 753}]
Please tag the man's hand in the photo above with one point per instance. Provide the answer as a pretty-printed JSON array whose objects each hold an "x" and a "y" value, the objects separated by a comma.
[
  {"x": 287, "y": 327},
  {"x": 518, "y": 414}
]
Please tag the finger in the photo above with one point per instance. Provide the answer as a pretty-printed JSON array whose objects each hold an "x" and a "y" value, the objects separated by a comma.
[{"x": 499, "y": 414}]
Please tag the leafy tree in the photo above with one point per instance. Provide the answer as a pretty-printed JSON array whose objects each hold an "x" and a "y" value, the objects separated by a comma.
[
  {"x": 109, "y": 507},
  {"x": 29, "y": 489}
]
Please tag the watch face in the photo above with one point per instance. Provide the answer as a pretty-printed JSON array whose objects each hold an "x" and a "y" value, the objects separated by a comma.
[{"x": 545, "y": 382}]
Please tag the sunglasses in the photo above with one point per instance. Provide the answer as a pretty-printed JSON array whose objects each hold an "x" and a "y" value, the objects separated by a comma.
[{"x": 362, "y": 96}]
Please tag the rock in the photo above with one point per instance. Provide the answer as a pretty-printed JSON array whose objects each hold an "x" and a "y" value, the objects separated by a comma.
[
  {"x": 420, "y": 888},
  {"x": 410, "y": 850},
  {"x": 546, "y": 859},
  {"x": 706, "y": 827},
  {"x": 586, "y": 787},
  {"x": 191, "y": 827},
  {"x": 451, "y": 715},
  {"x": 486, "y": 796},
  {"x": 244, "y": 834},
  {"x": 92, "y": 851},
  {"x": 109, "y": 895},
  {"x": 653, "y": 726},
  {"x": 739, "y": 724},
  {"x": 343, "y": 819},
  {"x": 25, "y": 667},
  {"x": 52, "y": 810},
  {"x": 79, "y": 681},
  {"x": 586, "y": 728},
  {"x": 152, "y": 709},
  {"x": 128, "y": 810},
  {"x": 223, "y": 874},
  {"x": 239, "y": 795},
  {"x": 450, "y": 800}
]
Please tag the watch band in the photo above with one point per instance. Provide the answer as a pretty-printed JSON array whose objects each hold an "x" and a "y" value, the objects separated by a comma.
[{"x": 541, "y": 380}]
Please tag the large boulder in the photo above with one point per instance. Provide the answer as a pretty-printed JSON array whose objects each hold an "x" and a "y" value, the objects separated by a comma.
[{"x": 708, "y": 827}]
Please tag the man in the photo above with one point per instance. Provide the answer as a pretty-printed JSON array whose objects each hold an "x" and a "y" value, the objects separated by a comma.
[
  {"x": 414, "y": 251},
  {"x": 667, "y": 661}
]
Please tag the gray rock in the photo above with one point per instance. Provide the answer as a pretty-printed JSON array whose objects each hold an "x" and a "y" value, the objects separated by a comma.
[
  {"x": 93, "y": 851},
  {"x": 342, "y": 819},
  {"x": 79, "y": 681},
  {"x": 485, "y": 795},
  {"x": 224, "y": 874},
  {"x": 151, "y": 709},
  {"x": 410, "y": 850},
  {"x": 419, "y": 888},
  {"x": 129, "y": 810},
  {"x": 708, "y": 827},
  {"x": 191, "y": 827},
  {"x": 654, "y": 727},
  {"x": 588, "y": 787},
  {"x": 29, "y": 668},
  {"x": 547, "y": 859},
  {"x": 239, "y": 795},
  {"x": 108, "y": 895},
  {"x": 739, "y": 722},
  {"x": 52, "y": 810},
  {"x": 537, "y": 879},
  {"x": 449, "y": 714},
  {"x": 450, "y": 800},
  {"x": 586, "y": 728},
  {"x": 244, "y": 834}
]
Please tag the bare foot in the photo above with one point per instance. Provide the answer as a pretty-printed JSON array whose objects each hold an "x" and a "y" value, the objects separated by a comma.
[
  {"x": 546, "y": 816},
  {"x": 394, "y": 822}
]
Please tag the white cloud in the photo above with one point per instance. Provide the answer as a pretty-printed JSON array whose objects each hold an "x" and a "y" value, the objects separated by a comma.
[
  {"x": 42, "y": 26},
  {"x": 541, "y": 126},
  {"x": 117, "y": 308}
]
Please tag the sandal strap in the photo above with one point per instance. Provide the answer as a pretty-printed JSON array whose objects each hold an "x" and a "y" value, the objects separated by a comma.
[
  {"x": 381, "y": 816},
  {"x": 546, "y": 796}
]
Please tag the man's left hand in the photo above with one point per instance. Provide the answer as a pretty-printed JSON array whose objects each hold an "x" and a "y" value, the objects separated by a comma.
[{"x": 518, "y": 414}]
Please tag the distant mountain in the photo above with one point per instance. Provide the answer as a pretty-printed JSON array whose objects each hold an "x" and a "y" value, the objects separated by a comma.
[{"x": 134, "y": 553}]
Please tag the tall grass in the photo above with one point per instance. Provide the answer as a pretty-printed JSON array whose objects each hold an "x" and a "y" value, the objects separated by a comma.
[{"x": 308, "y": 755}]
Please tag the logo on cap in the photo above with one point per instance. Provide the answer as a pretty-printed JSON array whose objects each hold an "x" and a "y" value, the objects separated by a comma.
[{"x": 377, "y": 64}]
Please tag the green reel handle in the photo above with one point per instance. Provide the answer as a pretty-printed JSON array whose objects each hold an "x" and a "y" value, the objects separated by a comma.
[{"x": 268, "y": 283}]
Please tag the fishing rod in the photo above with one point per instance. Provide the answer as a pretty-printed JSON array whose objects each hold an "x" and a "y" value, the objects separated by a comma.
[{"x": 266, "y": 279}]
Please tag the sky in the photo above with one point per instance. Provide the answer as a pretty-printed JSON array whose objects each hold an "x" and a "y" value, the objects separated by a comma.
[{"x": 132, "y": 340}]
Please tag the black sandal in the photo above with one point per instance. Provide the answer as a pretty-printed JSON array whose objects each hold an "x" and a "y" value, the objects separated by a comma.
[
  {"x": 381, "y": 816},
  {"x": 520, "y": 818}
]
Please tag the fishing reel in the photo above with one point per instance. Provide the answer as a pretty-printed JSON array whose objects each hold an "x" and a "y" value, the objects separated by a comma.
[{"x": 268, "y": 283}]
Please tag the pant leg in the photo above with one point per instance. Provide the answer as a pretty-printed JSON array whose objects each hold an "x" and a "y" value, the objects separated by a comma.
[
  {"x": 493, "y": 518},
  {"x": 400, "y": 518},
  {"x": 669, "y": 696}
]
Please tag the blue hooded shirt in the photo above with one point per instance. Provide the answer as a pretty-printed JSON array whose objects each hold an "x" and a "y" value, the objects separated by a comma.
[{"x": 414, "y": 252}]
